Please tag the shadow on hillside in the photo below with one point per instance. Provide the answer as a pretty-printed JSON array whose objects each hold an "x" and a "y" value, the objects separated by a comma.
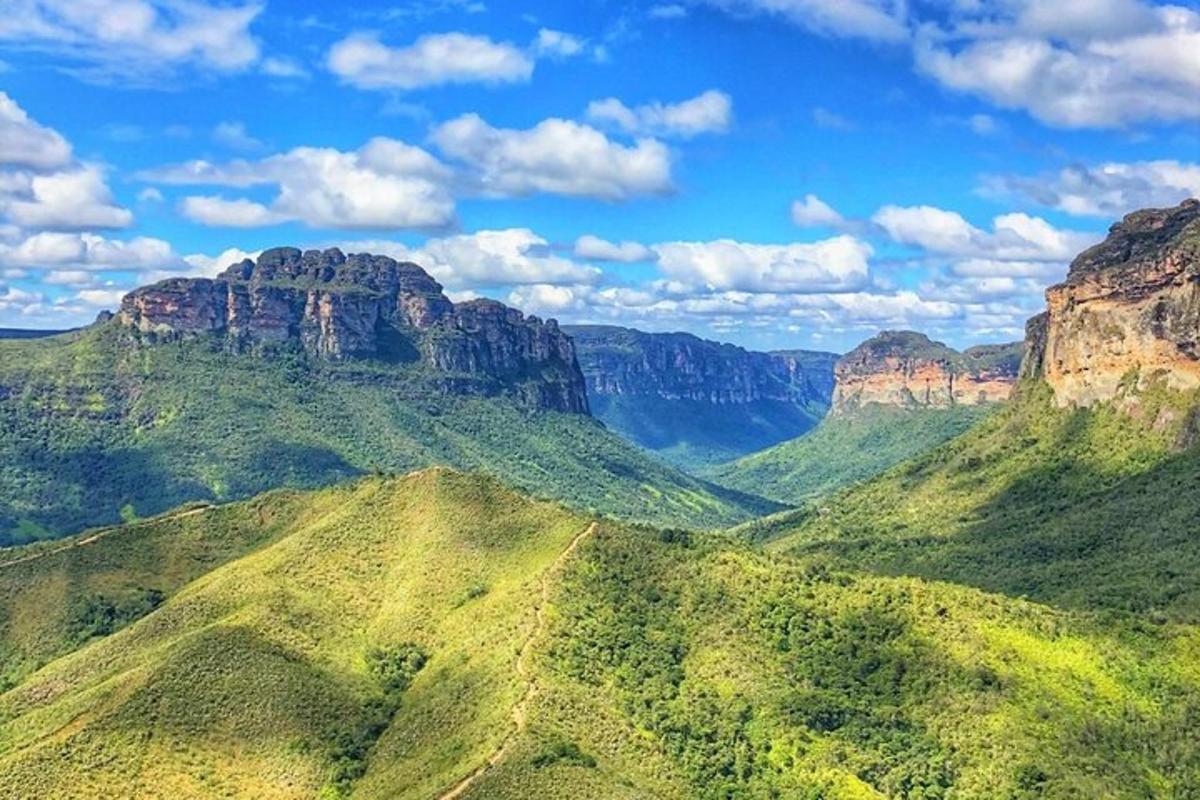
[{"x": 1069, "y": 536}]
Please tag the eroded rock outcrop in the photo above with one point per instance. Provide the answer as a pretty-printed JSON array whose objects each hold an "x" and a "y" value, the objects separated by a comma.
[
  {"x": 908, "y": 369},
  {"x": 679, "y": 366},
  {"x": 1128, "y": 313},
  {"x": 366, "y": 307}
]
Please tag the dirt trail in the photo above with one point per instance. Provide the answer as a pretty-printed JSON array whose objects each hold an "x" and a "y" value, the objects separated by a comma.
[
  {"x": 520, "y": 709},
  {"x": 98, "y": 535}
]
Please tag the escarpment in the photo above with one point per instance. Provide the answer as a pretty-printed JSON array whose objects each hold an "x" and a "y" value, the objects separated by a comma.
[
  {"x": 1128, "y": 314},
  {"x": 363, "y": 307},
  {"x": 679, "y": 366},
  {"x": 909, "y": 370}
]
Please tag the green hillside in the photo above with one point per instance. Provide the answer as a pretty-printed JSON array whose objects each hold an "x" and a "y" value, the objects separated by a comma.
[
  {"x": 844, "y": 449},
  {"x": 1086, "y": 509},
  {"x": 439, "y": 636},
  {"x": 95, "y": 430}
]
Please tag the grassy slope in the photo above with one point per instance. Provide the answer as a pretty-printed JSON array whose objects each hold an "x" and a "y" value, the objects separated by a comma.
[
  {"x": 1080, "y": 509},
  {"x": 665, "y": 666},
  {"x": 92, "y": 432},
  {"x": 844, "y": 450},
  {"x": 694, "y": 434}
]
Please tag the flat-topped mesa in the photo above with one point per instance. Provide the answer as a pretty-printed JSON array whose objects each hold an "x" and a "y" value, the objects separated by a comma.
[
  {"x": 365, "y": 307},
  {"x": 909, "y": 370},
  {"x": 623, "y": 362},
  {"x": 1128, "y": 313}
]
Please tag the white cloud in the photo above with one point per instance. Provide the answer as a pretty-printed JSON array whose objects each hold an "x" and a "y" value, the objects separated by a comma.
[
  {"x": 72, "y": 199},
  {"x": 667, "y": 11},
  {"x": 881, "y": 20},
  {"x": 813, "y": 212},
  {"x": 25, "y": 143},
  {"x": 88, "y": 251},
  {"x": 597, "y": 249},
  {"x": 1105, "y": 190},
  {"x": 280, "y": 67},
  {"x": 101, "y": 298},
  {"x": 557, "y": 44},
  {"x": 837, "y": 264},
  {"x": 486, "y": 258},
  {"x": 1013, "y": 236},
  {"x": 128, "y": 38},
  {"x": 433, "y": 60},
  {"x": 219, "y": 212},
  {"x": 1104, "y": 63},
  {"x": 710, "y": 112},
  {"x": 208, "y": 266},
  {"x": 555, "y": 157},
  {"x": 385, "y": 184},
  {"x": 234, "y": 136}
]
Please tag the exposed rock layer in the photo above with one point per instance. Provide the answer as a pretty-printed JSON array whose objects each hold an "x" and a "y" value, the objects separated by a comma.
[
  {"x": 340, "y": 308},
  {"x": 907, "y": 369},
  {"x": 1128, "y": 312},
  {"x": 679, "y": 366}
]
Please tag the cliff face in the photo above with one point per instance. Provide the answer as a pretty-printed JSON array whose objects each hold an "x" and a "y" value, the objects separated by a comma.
[
  {"x": 907, "y": 369},
  {"x": 365, "y": 307},
  {"x": 679, "y": 366},
  {"x": 1127, "y": 314}
]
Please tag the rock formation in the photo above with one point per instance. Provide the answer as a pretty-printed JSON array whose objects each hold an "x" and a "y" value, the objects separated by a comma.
[
  {"x": 364, "y": 307},
  {"x": 907, "y": 369},
  {"x": 679, "y": 366},
  {"x": 1128, "y": 313}
]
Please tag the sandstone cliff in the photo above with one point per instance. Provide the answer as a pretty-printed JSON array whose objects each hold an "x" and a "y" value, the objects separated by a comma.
[
  {"x": 341, "y": 308},
  {"x": 907, "y": 369},
  {"x": 1128, "y": 313}
]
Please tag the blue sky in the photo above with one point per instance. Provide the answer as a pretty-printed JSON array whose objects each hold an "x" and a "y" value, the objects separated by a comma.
[{"x": 777, "y": 173}]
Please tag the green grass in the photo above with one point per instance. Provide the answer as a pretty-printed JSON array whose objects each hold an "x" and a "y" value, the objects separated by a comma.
[
  {"x": 844, "y": 449},
  {"x": 374, "y": 639},
  {"x": 97, "y": 429},
  {"x": 1081, "y": 509}
]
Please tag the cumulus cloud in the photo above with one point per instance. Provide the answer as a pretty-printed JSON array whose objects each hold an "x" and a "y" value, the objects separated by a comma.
[
  {"x": 597, "y": 249},
  {"x": 385, "y": 184},
  {"x": 813, "y": 212},
  {"x": 837, "y": 264},
  {"x": 486, "y": 258},
  {"x": 129, "y": 38},
  {"x": 88, "y": 251},
  {"x": 72, "y": 199},
  {"x": 25, "y": 143},
  {"x": 234, "y": 136},
  {"x": 555, "y": 157},
  {"x": 1071, "y": 64},
  {"x": 1108, "y": 190},
  {"x": 1013, "y": 236},
  {"x": 710, "y": 112},
  {"x": 881, "y": 20},
  {"x": 433, "y": 60}
]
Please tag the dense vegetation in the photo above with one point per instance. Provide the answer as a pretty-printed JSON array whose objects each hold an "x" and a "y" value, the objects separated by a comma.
[
  {"x": 844, "y": 449},
  {"x": 379, "y": 638},
  {"x": 694, "y": 434},
  {"x": 1087, "y": 509},
  {"x": 93, "y": 430}
]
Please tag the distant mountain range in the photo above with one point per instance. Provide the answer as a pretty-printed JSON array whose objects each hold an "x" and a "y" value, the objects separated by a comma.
[{"x": 694, "y": 401}]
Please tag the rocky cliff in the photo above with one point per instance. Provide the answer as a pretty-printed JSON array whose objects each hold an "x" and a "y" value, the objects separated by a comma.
[
  {"x": 1128, "y": 313},
  {"x": 695, "y": 402},
  {"x": 342, "y": 308},
  {"x": 680, "y": 366},
  {"x": 908, "y": 369}
]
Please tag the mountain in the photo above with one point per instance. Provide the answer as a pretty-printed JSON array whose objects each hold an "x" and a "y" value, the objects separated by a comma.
[
  {"x": 1081, "y": 494},
  {"x": 301, "y": 370},
  {"x": 908, "y": 370},
  {"x": 895, "y": 395},
  {"x": 440, "y": 636},
  {"x": 26, "y": 333},
  {"x": 694, "y": 401}
]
